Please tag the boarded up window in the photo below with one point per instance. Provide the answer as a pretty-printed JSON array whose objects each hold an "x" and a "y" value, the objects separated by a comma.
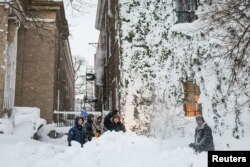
[{"x": 191, "y": 99}]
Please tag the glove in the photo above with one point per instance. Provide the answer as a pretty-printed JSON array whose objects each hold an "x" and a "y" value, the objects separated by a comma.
[{"x": 192, "y": 145}]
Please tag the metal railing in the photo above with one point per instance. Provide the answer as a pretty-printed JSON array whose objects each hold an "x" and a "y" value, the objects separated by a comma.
[{"x": 67, "y": 118}]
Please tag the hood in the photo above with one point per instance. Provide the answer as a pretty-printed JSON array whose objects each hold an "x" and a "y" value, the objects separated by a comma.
[
  {"x": 89, "y": 118},
  {"x": 115, "y": 117},
  {"x": 77, "y": 119}
]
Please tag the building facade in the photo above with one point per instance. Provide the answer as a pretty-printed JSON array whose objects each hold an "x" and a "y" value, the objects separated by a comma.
[
  {"x": 38, "y": 71},
  {"x": 107, "y": 57}
]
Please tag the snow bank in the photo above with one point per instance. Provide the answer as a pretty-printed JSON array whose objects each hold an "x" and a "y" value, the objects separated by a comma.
[
  {"x": 24, "y": 152},
  {"x": 26, "y": 121},
  {"x": 110, "y": 150},
  {"x": 6, "y": 126}
]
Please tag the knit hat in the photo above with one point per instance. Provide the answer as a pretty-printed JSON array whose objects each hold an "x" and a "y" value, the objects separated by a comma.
[{"x": 199, "y": 117}]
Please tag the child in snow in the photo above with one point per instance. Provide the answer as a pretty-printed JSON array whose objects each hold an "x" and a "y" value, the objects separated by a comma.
[
  {"x": 89, "y": 126},
  {"x": 114, "y": 124},
  {"x": 203, "y": 136},
  {"x": 98, "y": 126},
  {"x": 77, "y": 133}
]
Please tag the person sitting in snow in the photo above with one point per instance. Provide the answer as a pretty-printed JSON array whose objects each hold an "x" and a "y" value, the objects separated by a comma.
[
  {"x": 203, "y": 136},
  {"x": 77, "y": 133},
  {"x": 89, "y": 127},
  {"x": 113, "y": 122},
  {"x": 98, "y": 126}
]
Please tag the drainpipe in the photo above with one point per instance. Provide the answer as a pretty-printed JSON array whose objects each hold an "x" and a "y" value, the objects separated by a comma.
[{"x": 58, "y": 90}]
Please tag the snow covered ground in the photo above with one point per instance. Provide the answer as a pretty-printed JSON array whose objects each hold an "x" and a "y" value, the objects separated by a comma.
[{"x": 110, "y": 150}]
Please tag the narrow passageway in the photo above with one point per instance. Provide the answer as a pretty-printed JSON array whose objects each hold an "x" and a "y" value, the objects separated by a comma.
[{"x": 123, "y": 83}]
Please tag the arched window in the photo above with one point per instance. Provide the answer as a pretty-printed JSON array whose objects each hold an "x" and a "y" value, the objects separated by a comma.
[
  {"x": 191, "y": 104},
  {"x": 185, "y": 10}
]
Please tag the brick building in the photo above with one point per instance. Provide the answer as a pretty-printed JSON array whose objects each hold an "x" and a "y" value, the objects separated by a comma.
[
  {"x": 107, "y": 57},
  {"x": 38, "y": 71},
  {"x": 108, "y": 61}
]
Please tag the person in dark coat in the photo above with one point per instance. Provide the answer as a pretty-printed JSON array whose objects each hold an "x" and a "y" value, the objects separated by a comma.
[
  {"x": 89, "y": 127},
  {"x": 112, "y": 122},
  {"x": 203, "y": 136},
  {"x": 77, "y": 133},
  {"x": 107, "y": 120},
  {"x": 117, "y": 125}
]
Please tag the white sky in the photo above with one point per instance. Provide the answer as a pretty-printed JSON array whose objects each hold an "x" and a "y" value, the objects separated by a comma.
[{"x": 83, "y": 32}]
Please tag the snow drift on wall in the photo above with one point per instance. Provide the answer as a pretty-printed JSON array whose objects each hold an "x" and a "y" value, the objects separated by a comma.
[{"x": 157, "y": 55}]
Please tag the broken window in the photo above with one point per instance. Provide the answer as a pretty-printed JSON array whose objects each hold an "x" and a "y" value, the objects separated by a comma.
[
  {"x": 191, "y": 104},
  {"x": 186, "y": 10}
]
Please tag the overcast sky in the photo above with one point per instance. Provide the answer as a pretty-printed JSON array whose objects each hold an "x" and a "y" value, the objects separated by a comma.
[{"x": 82, "y": 30}]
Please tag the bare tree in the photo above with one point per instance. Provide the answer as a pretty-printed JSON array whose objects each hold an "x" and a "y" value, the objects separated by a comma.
[
  {"x": 79, "y": 6},
  {"x": 79, "y": 64},
  {"x": 234, "y": 16}
]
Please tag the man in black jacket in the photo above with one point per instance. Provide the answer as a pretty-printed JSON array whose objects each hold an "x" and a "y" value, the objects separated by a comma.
[
  {"x": 77, "y": 133},
  {"x": 89, "y": 127},
  {"x": 203, "y": 136},
  {"x": 114, "y": 124}
]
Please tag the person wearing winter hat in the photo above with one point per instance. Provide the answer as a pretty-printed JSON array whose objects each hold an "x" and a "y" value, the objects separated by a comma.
[
  {"x": 107, "y": 120},
  {"x": 98, "y": 126},
  {"x": 77, "y": 133},
  {"x": 203, "y": 136},
  {"x": 89, "y": 126},
  {"x": 117, "y": 125},
  {"x": 112, "y": 122}
]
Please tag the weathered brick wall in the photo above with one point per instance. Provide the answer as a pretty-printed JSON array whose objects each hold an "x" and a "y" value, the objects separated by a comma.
[
  {"x": 35, "y": 68},
  {"x": 111, "y": 74},
  {"x": 65, "y": 74},
  {"x": 40, "y": 53}
]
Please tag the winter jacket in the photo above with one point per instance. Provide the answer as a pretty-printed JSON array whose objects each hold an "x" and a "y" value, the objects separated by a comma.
[
  {"x": 77, "y": 133},
  {"x": 107, "y": 120},
  {"x": 89, "y": 127},
  {"x": 118, "y": 127},
  {"x": 204, "y": 138},
  {"x": 110, "y": 125}
]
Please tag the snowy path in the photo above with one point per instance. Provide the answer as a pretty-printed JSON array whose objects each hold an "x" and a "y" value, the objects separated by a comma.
[{"x": 111, "y": 150}]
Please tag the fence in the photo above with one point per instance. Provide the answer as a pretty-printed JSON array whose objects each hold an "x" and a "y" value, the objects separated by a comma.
[{"x": 67, "y": 118}]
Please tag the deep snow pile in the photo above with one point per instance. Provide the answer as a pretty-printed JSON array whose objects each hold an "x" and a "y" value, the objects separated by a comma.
[
  {"x": 23, "y": 122},
  {"x": 111, "y": 150},
  {"x": 157, "y": 55}
]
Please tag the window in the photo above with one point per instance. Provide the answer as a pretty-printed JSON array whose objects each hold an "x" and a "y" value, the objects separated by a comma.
[
  {"x": 186, "y": 10},
  {"x": 191, "y": 99}
]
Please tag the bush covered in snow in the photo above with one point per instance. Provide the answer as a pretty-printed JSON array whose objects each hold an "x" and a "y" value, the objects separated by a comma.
[{"x": 157, "y": 55}]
